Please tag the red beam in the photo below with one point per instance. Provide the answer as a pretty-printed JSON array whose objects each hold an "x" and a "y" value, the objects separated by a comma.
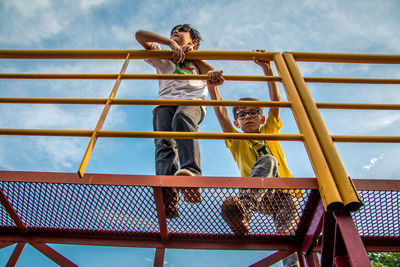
[
  {"x": 377, "y": 185},
  {"x": 13, "y": 214},
  {"x": 16, "y": 254},
  {"x": 352, "y": 240},
  {"x": 313, "y": 231},
  {"x": 221, "y": 244},
  {"x": 328, "y": 239},
  {"x": 52, "y": 254},
  {"x": 274, "y": 258},
  {"x": 162, "y": 221},
  {"x": 159, "y": 257},
  {"x": 5, "y": 244},
  {"x": 159, "y": 180}
]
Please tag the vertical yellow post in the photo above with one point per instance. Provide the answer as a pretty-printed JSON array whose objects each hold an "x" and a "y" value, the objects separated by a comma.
[
  {"x": 93, "y": 139},
  {"x": 344, "y": 183},
  {"x": 328, "y": 190}
]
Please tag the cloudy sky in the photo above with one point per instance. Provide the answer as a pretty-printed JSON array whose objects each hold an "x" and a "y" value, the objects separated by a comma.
[{"x": 363, "y": 26}]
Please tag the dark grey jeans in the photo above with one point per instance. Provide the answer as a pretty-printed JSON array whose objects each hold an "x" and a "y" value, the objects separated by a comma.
[{"x": 177, "y": 119}]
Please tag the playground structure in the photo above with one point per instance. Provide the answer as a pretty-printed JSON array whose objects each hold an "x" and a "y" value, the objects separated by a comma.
[{"x": 338, "y": 217}]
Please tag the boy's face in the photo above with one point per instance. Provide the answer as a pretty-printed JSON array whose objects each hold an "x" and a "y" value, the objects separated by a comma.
[
  {"x": 182, "y": 37},
  {"x": 249, "y": 119}
]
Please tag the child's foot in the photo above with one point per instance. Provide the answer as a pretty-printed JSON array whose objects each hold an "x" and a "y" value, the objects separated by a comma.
[
  {"x": 171, "y": 199},
  {"x": 234, "y": 214},
  {"x": 191, "y": 195}
]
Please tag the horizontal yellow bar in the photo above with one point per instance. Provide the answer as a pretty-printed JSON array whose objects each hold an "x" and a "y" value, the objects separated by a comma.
[
  {"x": 351, "y": 80},
  {"x": 45, "y": 132},
  {"x": 358, "y": 106},
  {"x": 21, "y": 100},
  {"x": 346, "y": 58},
  {"x": 147, "y": 134},
  {"x": 170, "y": 102},
  {"x": 135, "y": 77},
  {"x": 134, "y": 54},
  {"x": 366, "y": 139}
]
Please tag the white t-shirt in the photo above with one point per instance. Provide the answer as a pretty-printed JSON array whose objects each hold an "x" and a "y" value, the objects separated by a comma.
[{"x": 178, "y": 89}]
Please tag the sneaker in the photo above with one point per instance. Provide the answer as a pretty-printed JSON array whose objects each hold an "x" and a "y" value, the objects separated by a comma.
[
  {"x": 190, "y": 195},
  {"x": 234, "y": 214},
  {"x": 171, "y": 199}
]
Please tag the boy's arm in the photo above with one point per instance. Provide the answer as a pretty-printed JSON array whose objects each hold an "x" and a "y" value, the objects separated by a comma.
[
  {"x": 203, "y": 66},
  {"x": 215, "y": 79},
  {"x": 274, "y": 93},
  {"x": 147, "y": 38}
]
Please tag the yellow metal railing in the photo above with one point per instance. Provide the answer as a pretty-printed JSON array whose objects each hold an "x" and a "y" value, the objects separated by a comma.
[
  {"x": 336, "y": 188},
  {"x": 344, "y": 183}
]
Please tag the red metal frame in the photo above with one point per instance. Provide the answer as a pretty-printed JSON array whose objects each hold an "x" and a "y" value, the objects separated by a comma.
[
  {"x": 16, "y": 254},
  {"x": 339, "y": 233}
]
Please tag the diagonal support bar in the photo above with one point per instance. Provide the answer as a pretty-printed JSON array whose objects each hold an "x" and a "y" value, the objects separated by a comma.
[
  {"x": 13, "y": 214},
  {"x": 352, "y": 240},
  {"x": 314, "y": 230},
  {"x": 274, "y": 258},
  {"x": 99, "y": 126},
  {"x": 16, "y": 254},
  {"x": 52, "y": 254}
]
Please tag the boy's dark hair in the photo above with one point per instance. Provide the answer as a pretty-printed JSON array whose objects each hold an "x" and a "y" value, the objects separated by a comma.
[
  {"x": 235, "y": 109},
  {"x": 194, "y": 34}
]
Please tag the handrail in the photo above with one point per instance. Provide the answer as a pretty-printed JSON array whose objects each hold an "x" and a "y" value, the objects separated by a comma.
[
  {"x": 302, "y": 118},
  {"x": 120, "y": 101},
  {"x": 134, "y": 54},
  {"x": 151, "y": 134},
  {"x": 345, "y": 58},
  {"x": 347, "y": 190},
  {"x": 351, "y": 80},
  {"x": 252, "y": 78}
]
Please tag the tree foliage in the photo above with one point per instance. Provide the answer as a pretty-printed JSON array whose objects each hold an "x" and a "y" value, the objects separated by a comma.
[{"x": 384, "y": 259}]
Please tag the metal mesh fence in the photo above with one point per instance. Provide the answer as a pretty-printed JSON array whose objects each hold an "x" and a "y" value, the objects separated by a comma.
[
  {"x": 380, "y": 215},
  {"x": 83, "y": 208},
  {"x": 131, "y": 210}
]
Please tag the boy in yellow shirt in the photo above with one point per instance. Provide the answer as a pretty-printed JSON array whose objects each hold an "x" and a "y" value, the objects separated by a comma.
[{"x": 256, "y": 158}]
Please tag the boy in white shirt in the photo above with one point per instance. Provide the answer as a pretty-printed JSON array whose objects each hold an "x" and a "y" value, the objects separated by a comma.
[{"x": 177, "y": 118}]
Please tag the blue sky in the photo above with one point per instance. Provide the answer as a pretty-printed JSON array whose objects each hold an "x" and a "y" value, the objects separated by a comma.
[{"x": 310, "y": 25}]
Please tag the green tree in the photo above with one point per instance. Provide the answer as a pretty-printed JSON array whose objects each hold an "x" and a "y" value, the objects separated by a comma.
[{"x": 384, "y": 259}]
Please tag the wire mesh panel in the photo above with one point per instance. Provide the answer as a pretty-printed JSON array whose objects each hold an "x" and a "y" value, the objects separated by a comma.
[
  {"x": 380, "y": 216},
  {"x": 82, "y": 208},
  {"x": 278, "y": 214},
  {"x": 5, "y": 219}
]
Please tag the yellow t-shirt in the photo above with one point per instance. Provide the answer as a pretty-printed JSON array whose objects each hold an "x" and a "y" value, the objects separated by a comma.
[{"x": 246, "y": 152}]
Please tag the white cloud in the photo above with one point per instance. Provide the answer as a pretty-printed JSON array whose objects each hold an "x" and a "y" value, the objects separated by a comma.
[
  {"x": 28, "y": 22},
  {"x": 372, "y": 162},
  {"x": 87, "y": 4}
]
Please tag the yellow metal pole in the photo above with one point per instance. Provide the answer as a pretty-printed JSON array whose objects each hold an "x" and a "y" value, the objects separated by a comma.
[
  {"x": 134, "y": 54},
  {"x": 344, "y": 183},
  {"x": 169, "y": 102},
  {"x": 42, "y": 132},
  {"x": 346, "y": 58},
  {"x": 366, "y": 139},
  {"x": 151, "y": 134},
  {"x": 358, "y": 106},
  {"x": 252, "y": 78},
  {"x": 351, "y": 80},
  {"x": 100, "y": 123},
  {"x": 328, "y": 190}
]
